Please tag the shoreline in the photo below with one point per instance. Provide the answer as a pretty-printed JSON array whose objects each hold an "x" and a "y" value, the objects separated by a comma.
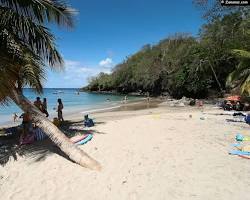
[
  {"x": 122, "y": 108},
  {"x": 133, "y": 104},
  {"x": 73, "y": 103},
  {"x": 117, "y": 108}
]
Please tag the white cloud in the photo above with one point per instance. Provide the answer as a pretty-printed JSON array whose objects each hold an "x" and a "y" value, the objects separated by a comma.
[
  {"x": 70, "y": 63},
  {"x": 76, "y": 73},
  {"x": 106, "y": 63},
  {"x": 75, "y": 67}
]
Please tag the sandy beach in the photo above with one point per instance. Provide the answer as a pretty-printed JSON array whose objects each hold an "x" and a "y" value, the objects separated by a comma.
[
  {"x": 124, "y": 100},
  {"x": 156, "y": 153}
]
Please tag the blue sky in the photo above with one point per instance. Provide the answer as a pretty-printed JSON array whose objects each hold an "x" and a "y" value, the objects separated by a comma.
[{"x": 107, "y": 31}]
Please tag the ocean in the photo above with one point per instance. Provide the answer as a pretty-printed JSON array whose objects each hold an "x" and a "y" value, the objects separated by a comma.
[{"x": 72, "y": 101}]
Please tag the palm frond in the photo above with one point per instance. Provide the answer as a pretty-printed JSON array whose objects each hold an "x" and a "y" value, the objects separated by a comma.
[
  {"x": 245, "y": 87},
  {"x": 27, "y": 46},
  {"x": 241, "y": 53},
  {"x": 19, "y": 67},
  {"x": 42, "y": 11},
  {"x": 37, "y": 37}
]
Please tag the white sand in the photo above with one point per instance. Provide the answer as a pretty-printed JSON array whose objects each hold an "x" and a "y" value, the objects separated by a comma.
[{"x": 156, "y": 154}]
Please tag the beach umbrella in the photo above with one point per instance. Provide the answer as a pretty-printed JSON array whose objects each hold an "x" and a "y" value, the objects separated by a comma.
[{"x": 234, "y": 98}]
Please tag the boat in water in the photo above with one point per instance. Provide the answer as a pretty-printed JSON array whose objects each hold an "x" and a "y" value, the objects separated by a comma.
[{"x": 58, "y": 92}]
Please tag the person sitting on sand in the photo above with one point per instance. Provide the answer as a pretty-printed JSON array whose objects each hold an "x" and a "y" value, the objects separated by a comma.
[
  {"x": 38, "y": 104},
  {"x": 26, "y": 123},
  {"x": 246, "y": 107},
  {"x": 44, "y": 107},
  {"x": 59, "y": 110},
  {"x": 56, "y": 122},
  {"x": 88, "y": 122},
  {"x": 239, "y": 106},
  {"x": 228, "y": 105}
]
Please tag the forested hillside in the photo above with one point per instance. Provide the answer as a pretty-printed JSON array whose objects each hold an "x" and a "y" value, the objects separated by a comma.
[{"x": 184, "y": 65}]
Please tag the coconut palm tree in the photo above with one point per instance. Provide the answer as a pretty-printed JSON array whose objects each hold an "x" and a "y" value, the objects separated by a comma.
[
  {"x": 26, "y": 48},
  {"x": 240, "y": 77}
]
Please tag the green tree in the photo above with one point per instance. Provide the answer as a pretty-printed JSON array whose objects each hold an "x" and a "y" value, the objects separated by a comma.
[
  {"x": 184, "y": 65},
  {"x": 240, "y": 77},
  {"x": 231, "y": 35}
]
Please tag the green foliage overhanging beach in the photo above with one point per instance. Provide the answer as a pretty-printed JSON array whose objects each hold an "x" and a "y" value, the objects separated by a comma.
[{"x": 183, "y": 65}]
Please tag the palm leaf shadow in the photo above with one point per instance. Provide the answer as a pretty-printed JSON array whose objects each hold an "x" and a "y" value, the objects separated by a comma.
[
  {"x": 38, "y": 151},
  {"x": 72, "y": 128}
]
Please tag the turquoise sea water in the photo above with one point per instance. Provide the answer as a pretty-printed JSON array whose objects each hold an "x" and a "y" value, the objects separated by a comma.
[{"x": 71, "y": 100}]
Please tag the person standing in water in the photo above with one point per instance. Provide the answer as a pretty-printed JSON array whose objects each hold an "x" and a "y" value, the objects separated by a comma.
[
  {"x": 59, "y": 110},
  {"x": 44, "y": 105},
  {"x": 15, "y": 116},
  {"x": 125, "y": 99},
  {"x": 148, "y": 99}
]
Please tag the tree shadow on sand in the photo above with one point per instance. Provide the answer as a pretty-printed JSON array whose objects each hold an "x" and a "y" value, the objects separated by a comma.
[
  {"x": 72, "y": 128},
  {"x": 39, "y": 150}
]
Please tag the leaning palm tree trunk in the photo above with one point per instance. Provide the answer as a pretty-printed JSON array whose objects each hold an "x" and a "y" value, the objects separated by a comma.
[
  {"x": 74, "y": 153},
  {"x": 216, "y": 78}
]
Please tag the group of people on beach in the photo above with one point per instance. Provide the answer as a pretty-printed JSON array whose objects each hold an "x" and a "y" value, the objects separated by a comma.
[{"x": 41, "y": 106}]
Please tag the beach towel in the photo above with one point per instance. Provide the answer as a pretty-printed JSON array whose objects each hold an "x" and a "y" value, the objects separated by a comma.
[
  {"x": 39, "y": 134},
  {"x": 85, "y": 140},
  {"x": 78, "y": 138},
  {"x": 8, "y": 132},
  {"x": 237, "y": 152},
  {"x": 235, "y": 120},
  {"x": 29, "y": 139}
]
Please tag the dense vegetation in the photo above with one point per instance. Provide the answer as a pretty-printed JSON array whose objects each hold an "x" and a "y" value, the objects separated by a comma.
[{"x": 183, "y": 65}]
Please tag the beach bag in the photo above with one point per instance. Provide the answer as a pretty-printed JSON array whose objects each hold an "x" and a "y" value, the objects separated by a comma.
[
  {"x": 239, "y": 137},
  {"x": 247, "y": 119},
  {"x": 89, "y": 123}
]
